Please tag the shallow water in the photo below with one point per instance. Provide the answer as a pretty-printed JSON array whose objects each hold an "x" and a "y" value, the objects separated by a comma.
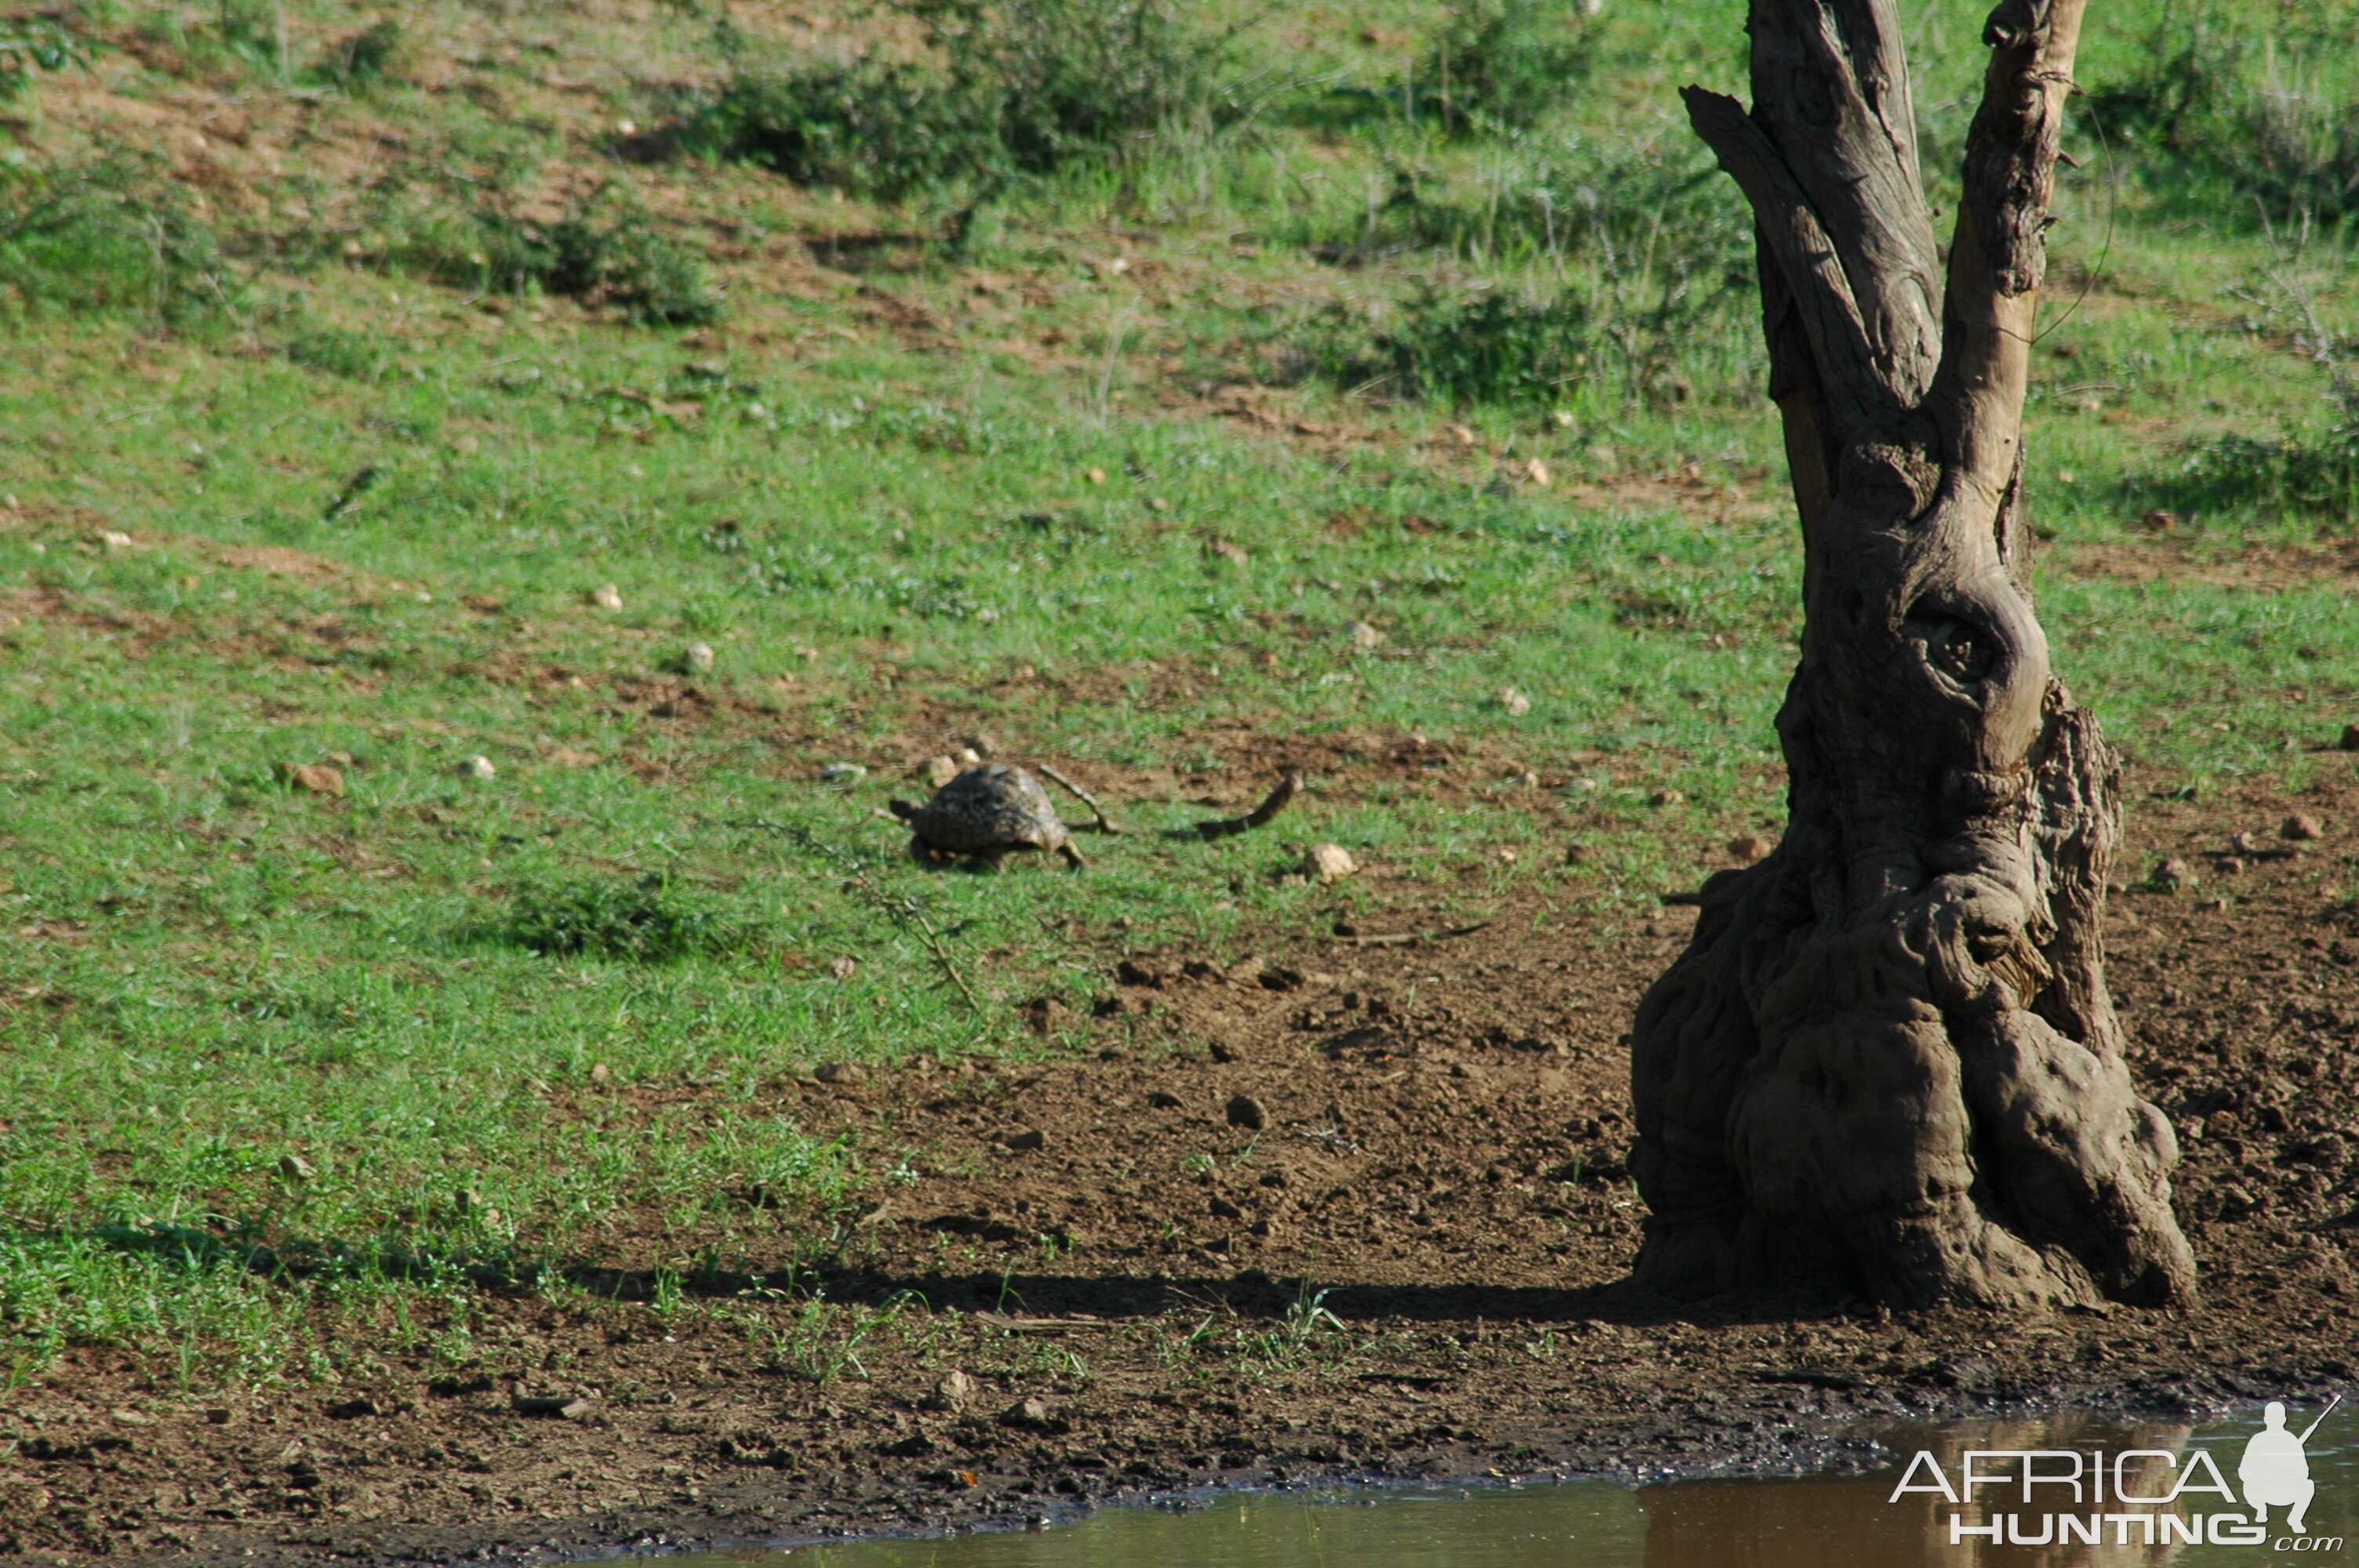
[{"x": 1849, "y": 1521}]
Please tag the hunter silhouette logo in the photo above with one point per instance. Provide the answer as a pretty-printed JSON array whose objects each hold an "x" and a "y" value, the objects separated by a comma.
[
  {"x": 2146, "y": 1496},
  {"x": 2275, "y": 1471}
]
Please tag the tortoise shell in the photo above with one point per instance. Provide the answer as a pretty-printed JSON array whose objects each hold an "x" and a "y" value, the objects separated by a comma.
[{"x": 989, "y": 810}]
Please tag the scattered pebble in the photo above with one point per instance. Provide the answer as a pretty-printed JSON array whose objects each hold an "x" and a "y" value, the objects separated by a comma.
[
  {"x": 296, "y": 1168},
  {"x": 840, "y": 1073},
  {"x": 1222, "y": 1208},
  {"x": 940, "y": 771},
  {"x": 1538, "y": 474},
  {"x": 1514, "y": 702},
  {"x": 2300, "y": 827},
  {"x": 700, "y": 658},
  {"x": 1028, "y": 1138},
  {"x": 318, "y": 778},
  {"x": 1247, "y": 1112},
  {"x": 564, "y": 1407},
  {"x": 1667, "y": 797},
  {"x": 567, "y": 757},
  {"x": 1095, "y": 476},
  {"x": 955, "y": 1391},
  {"x": 1327, "y": 862},
  {"x": 1234, "y": 554},
  {"x": 1156, "y": 1100},
  {"x": 1366, "y": 637},
  {"x": 608, "y": 597},
  {"x": 477, "y": 767},
  {"x": 115, "y": 541},
  {"x": 2172, "y": 875},
  {"x": 599, "y": 1073},
  {"x": 845, "y": 969},
  {"x": 842, "y": 773},
  {"x": 1747, "y": 847}
]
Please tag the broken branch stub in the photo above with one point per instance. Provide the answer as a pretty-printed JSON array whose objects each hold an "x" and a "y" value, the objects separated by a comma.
[{"x": 1887, "y": 1063}]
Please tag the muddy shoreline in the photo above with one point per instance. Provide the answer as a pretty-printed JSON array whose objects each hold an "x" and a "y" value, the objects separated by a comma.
[{"x": 1322, "y": 1212}]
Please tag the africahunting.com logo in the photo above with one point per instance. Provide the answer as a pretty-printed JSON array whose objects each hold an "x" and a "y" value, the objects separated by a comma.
[{"x": 2146, "y": 1496}]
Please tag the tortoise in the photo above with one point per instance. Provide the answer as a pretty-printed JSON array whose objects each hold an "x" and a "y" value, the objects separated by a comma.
[{"x": 988, "y": 812}]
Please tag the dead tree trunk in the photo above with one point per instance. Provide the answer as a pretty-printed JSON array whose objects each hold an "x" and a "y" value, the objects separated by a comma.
[{"x": 1887, "y": 1061}]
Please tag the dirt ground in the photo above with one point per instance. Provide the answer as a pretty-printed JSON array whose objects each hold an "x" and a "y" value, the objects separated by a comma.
[{"x": 1430, "y": 1132}]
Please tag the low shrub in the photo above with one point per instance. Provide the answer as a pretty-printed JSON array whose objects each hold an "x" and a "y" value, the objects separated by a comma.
[
  {"x": 111, "y": 233},
  {"x": 2312, "y": 472},
  {"x": 1001, "y": 91},
  {"x": 646, "y": 922},
  {"x": 1506, "y": 65},
  {"x": 2214, "y": 107},
  {"x": 1458, "y": 346},
  {"x": 604, "y": 250}
]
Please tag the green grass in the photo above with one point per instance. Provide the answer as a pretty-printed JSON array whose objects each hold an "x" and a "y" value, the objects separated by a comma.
[{"x": 515, "y": 1025}]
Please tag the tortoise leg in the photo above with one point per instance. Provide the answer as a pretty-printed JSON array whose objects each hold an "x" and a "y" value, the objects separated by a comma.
[
  {"x": 922, "y": 852},
  {"x": 1073, "y": 856}
]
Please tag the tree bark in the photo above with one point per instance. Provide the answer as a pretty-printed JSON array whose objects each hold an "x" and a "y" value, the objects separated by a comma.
[{"x": 1887, "y": 1062}]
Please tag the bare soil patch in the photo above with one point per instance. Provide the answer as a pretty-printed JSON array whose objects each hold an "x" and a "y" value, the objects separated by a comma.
[{"x": 1441, "y": 1126}]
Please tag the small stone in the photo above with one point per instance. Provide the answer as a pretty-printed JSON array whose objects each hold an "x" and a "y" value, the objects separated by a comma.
[
  {"x": 845, "y": 969},
  {"x": 567, "y": 757},
  {"x": 1156, "y": 1100},
  {"x": 940, "y": 771},
  {"x": 1032, "y": 1415},
  {"x": 1537, "y": 473},
  {"x": 1028, "y": 1138},
  {"x": 1222, "y": 1208},
  {"x": 1329, "y": 862},
  {"x": 840, "y": 1073},
  {"x": 2300, "y": 827},
  {"x": 1234, "y": 554},
  {"x": 1667, "y": 797},
  {"x": 1515, "y": 703},
  {"x": 1746, "y": 848},
  {"x": 352, "y": 1410},
  {"x": 2172, "y": 875},
  {"x": 1247, "y": 1112},
  {"x": 608, "y": 597},
  {"x": 599, "y": 1073},
  {"x": 477, "y": 767},
  {"x": 968, "y": 756},
  {"x": 318, "y": 778},
  {"x": 296, "y": 1168},
  {"x": 115, "y": 541},
  {"x": 2246, "y": 844},
  {"x": 563, "y": 1407},
  {"x": 842, "y": 773},
  {"x": 1461, "y": 435},
  {"x": 1575, "y": 853},
  {"x": 2159, "y": 521},
  {"x": 955, "y": 1391},
  {"x": 700, "y": 658},
  {"x": 1366, "y": 637}
]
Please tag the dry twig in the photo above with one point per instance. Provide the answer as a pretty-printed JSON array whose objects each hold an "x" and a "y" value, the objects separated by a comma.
[
  {"x": 1274, "y": 803},
  {"x": 1104, "y": 824}
]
